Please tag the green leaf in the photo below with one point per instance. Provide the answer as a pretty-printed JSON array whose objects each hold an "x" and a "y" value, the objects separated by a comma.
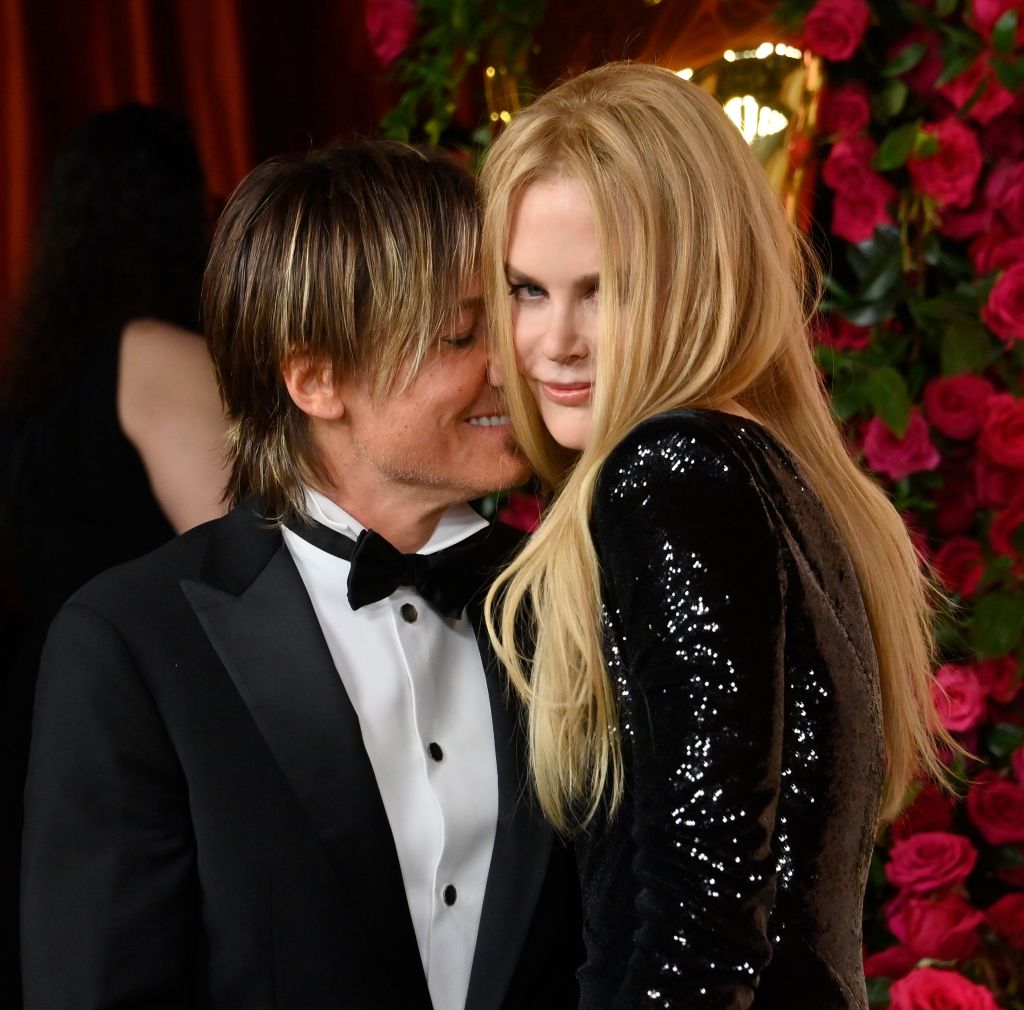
[
  {"x": 887, "y": 393},
  {"x": 1010, "y": 75},
  {"x": 1004, "y": 35},
  {"x": 896, "y": 147},
  {"x": 966, "y": 347},
  {"x": 1004, "y": 739},
  {"x": 906, "y": 59},
  {"x": 890, "y": 100},
  {"x": 955, "y": 67},
  {"x": 878, "y": 991},
  {"x": 943, "y": 8},
  {"x": 848, "y": 400},
  {"x": 998, "y": 624},
  {"x": 996, "y": 571}
]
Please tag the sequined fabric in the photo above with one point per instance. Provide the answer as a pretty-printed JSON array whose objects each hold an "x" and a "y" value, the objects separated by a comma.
[{"x": 733, "y": 874}]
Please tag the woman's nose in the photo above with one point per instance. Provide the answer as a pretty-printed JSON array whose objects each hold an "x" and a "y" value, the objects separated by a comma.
[{"x": 563, "y": 340}]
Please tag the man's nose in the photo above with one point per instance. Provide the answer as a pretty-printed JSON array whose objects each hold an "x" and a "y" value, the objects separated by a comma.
[{"x": 495, "y": 371}]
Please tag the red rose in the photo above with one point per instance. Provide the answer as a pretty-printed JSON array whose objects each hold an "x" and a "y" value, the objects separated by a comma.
[
  {"x": 955, "y": 502},
  {"x": 1003, "y": 138},
  {"x": 843, "y": 335},
  {"x": 848, "y": 164},
  {"x": 834, "y": 28},
  {"x": 999, "y": 679},
  {"x": 1017, "y": 760},
  {"x": 960, "y": 565},
  {"x": 892, "y": 963},
  {"x": 963, "y": 224},
  {"x": 985, "y": 14},
  {"x": 522, "y": 512},
  {"x": 1004, "y": 530},
  {"x": 845, "y": 109},
  {"x": 931, "y": 861},
  {"x": 930, "y": 810},
  {"x": 932, "y": 989},
  {"x": 899, "y": 457},
  {"x": 956, "y": 406},
  {"x": 996, "y": 808},
  {"x": 1004, "y": 311},
  {"x": 948, "y": 176},
  {"x": 959, "y": 697},
  {"x": 1006, "y": 917},
  {"x": 921, "y": 77},
  {"x": 995, "y": 485},
  {"x": 1002, "y": 431},
  {"x": 945, "y": 928},
  {"x": 996, "y": 249},
  {"x": 857, "y": 212},
  {"x": 994, "y": 100},
  {"x": 390, "y": 25},
  {"x": 1004, "y": 192}
]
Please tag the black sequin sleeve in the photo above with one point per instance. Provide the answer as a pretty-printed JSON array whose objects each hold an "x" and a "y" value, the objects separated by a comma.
[{"x": 694, "y": 590}]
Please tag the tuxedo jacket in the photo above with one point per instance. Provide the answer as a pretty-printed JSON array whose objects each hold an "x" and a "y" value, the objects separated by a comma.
[{"x": 203, "y": 825}]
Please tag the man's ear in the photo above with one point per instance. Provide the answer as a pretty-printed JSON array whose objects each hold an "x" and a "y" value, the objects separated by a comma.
[{"x": 310, "y": 384}]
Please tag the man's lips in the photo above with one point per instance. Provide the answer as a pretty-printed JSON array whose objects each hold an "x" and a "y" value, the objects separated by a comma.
[{"x": 567, "y": 394}]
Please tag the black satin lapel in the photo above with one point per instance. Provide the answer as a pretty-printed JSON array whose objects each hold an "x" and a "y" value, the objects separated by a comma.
[
  {"x": 270, "y": 641},
  {"x": 522, "y": 848}
]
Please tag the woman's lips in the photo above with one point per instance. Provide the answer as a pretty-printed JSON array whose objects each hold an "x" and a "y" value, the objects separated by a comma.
[{"x": 567, "y": 394}]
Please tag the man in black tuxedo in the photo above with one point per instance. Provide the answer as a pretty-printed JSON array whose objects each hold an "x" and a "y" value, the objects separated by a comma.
[{"x": 273, "y": 762}]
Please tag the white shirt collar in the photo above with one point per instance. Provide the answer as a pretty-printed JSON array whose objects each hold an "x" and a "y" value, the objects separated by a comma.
[{"x": 456, "y": 523}]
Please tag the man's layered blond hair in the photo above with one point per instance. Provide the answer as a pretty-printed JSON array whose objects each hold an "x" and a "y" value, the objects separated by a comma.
[{"x": 353, "y": 256}]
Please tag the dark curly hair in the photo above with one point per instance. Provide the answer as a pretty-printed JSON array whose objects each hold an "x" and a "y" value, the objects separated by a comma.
[{"x": 122, "y": 237}]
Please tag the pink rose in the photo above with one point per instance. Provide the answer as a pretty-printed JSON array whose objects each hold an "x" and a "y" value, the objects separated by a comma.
[
  {"x": 959, "y": 697},
  {"x": 894, "y": 962},
  {"x": 931, "y": 810},
  {"x": 834, "y": 28},
  {"x": 945, "y": 928},
  {"x": 1003, "y": 532},
  {"x": 996, "y": 808},
  {"x": 1017, "y": 759},
  {"x": 996, "y": 249},
  {"x": 994, "y": 100},
  {"x": 845, "y": 109},
  {"x": 1004, "y": 311},
  {"x": 848, "y": 163},
  {"x": 995, "y": 485},
  {"x": 1006, "y": 917},
  {"x": 999, "y": 679},
  {"x": 921, "y": 77},
  {"x": 960, "y": 565},
  {"x": 390, "y": 26},
  {"x": 949, "y": 175},
  {"x": 932, "y": 989},
  {"x": 843, "y": 335},
  {"x": 931, "y": 861},
  {"x": 899, "y": 457},
  {"x": 1002, "y": 431},
  {"x": 956, "y": 405},
  {"x": 1004, "y": 192},
  {"x": 985, "y": 14},
  {"x": 522, "y": 512},
  {"x": 857, "y": 212}
]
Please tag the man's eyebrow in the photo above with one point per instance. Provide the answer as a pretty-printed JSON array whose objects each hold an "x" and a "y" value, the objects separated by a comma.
[{"x": 471, "y": 303}]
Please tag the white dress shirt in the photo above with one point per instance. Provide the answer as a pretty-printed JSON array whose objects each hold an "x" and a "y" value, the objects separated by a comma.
[{"x": 416, "y": 681}]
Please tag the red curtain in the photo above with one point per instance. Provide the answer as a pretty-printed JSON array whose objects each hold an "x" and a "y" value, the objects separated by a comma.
[{"x": 253, "y": 77}]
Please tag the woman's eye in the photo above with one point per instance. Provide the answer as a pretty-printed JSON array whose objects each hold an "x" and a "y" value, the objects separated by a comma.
[{"x": 526, "y": 292}]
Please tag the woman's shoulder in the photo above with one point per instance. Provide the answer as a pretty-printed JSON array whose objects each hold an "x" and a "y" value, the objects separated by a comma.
[{"x": 684, "y": 447}]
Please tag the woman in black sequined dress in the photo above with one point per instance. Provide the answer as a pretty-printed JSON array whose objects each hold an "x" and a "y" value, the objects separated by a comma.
[{"x": 730, "y": 678}]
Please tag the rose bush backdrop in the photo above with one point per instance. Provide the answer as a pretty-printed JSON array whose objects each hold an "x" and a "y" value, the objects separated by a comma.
[
  {"x": 922, "y": 342},
  {"x": 921, "y": 339}
]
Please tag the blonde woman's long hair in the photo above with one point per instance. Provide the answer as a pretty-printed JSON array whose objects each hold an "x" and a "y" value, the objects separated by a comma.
[{"x": 705, "y": 290}]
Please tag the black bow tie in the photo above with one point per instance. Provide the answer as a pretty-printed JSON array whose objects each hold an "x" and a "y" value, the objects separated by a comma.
[{"x": 447, "y": 578}]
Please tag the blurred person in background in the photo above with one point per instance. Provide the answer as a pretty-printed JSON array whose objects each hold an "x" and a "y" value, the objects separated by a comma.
[{"x": 111, "y": 427}]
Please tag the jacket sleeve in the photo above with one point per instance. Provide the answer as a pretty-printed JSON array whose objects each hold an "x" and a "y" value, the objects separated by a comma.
[
  {"x": 110, "y": 911},
  {"x": 694, "y": 592}
]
